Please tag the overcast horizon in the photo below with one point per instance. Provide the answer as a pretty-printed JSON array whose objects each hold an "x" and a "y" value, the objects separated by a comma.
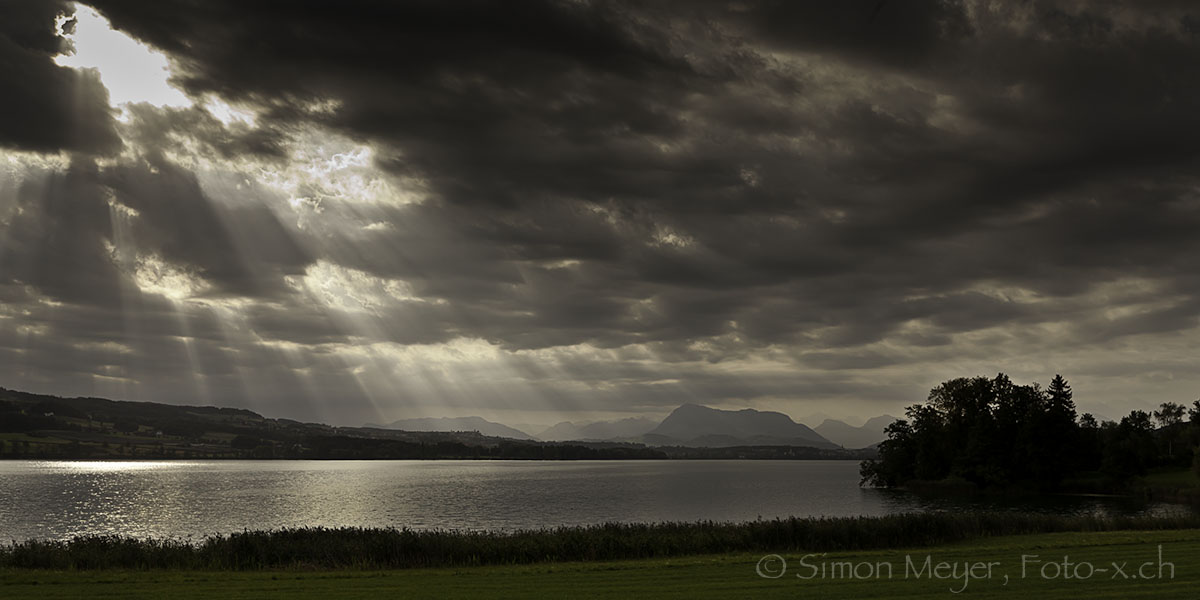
[{"x": 545, "y": 211}]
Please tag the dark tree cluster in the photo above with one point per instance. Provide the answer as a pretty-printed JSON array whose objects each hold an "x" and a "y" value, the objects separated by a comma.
[
  {"x": 993, "y": 433},
  {"x": 12, "y": 419}
]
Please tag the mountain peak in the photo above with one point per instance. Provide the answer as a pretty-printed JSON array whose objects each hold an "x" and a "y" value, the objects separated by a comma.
[{"x": 694, "y": 423}]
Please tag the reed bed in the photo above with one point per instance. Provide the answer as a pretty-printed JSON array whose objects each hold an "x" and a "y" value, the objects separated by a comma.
[{"x": 391, "y": 548}]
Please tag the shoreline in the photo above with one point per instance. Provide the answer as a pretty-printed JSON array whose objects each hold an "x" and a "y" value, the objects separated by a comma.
[{"x": 428, "y": 459}]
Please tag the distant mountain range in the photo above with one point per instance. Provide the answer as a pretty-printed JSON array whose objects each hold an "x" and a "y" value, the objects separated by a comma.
[
  {"x": 849, "y": 436},
  {"x": 479, "y": 424},
  {"x": 36, "y": 426},
  {"x": 631, "y": 428},
  {"x": 689, "y": 425}
]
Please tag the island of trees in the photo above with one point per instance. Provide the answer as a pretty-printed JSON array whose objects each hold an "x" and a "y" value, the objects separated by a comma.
[{"x": 992, "y": 433}]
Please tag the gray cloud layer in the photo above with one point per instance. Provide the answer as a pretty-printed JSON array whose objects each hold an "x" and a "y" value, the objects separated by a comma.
[
  {"x": 634, "y": 206},
  {"x": 47, "y": 107}
]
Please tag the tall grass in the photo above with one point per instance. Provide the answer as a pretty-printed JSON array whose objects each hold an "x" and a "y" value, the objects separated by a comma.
[{"x": 321, "y": 548}]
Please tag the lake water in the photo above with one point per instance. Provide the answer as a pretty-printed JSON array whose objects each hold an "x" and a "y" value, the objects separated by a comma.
[{"x": 60, "y": 499}]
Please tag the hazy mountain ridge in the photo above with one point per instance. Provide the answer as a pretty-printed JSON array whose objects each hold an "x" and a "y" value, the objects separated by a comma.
[
  {"x": 55, "y": 427},
  {"x": 689, "y": 425},
  {"x": 483, "y": 426},
  {"x": 617, "y": 429},
  {"x": 849, "y": 436}
]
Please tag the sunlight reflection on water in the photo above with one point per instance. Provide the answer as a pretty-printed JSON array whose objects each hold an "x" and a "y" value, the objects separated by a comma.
[
  {"x": 107, "y": 466},
  {"x": 193, "y": 499}
]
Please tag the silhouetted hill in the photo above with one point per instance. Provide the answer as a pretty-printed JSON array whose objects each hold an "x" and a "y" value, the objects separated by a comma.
[
  {"x": 695, "y": 425},
  {"x": 850, "y": 436},
  {"x": 459, "y": 424},
  {"x": 620, "y": 429}
]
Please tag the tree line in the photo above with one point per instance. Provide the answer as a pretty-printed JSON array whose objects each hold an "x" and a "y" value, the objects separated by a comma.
[{"x": 994, "y": 433}]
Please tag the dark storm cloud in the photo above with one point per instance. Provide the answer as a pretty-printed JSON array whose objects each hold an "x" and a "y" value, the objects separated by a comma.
[
  {"x": 892, "y": 33},
  {"x": 853, "y": 185},
  {"x": 453, "y": 88},
  {"x": 958, "y": 143},
  {"x": 45, "y": 107}
]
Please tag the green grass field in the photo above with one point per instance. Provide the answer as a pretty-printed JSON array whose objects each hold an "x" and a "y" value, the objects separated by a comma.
[{"x": 719, "y": 576}]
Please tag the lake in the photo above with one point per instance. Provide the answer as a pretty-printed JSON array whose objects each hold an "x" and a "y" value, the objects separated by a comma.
[{"x": 60, "y": 499}]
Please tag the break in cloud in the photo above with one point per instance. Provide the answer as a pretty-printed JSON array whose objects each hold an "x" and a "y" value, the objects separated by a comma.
[{"x": 541, "y": 210}]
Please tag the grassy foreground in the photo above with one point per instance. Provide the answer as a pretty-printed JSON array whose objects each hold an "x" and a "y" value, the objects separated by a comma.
[{"x": 1134, "y": 553}]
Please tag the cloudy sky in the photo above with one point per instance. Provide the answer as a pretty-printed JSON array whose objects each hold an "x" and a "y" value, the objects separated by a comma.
[{"x": 537, "y": 211}]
